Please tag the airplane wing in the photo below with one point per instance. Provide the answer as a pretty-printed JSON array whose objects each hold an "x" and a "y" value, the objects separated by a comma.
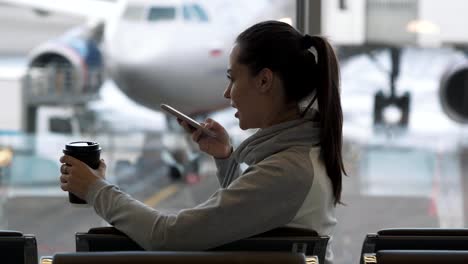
[{"x": 94, "y": 9}]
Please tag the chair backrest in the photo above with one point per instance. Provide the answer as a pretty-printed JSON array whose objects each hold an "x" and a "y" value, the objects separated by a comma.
[
  {"x": 168, "y": 257},
  {"x": 16, "y": 248},
  {"x": 282, "y": 239},
  {"x": 104, "y": 239},
  {"x": 422, "y": 257},
  {"x": 414, "y": 239}
]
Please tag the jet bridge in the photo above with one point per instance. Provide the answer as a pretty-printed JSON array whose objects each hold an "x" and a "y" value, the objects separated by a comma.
[{"x": 362, "y": 26}]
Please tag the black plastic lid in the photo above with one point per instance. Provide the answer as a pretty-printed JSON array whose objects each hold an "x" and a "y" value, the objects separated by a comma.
[
  {"x": 10, "y": 233},
  {"x": 83, "y": 146}
]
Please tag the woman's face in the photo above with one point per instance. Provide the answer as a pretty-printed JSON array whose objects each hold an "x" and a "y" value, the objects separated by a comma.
[{"x": 243, "y": 92}]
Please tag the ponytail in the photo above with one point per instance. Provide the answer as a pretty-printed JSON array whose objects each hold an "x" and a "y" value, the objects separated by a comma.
[{"x": 330, "y": 113}]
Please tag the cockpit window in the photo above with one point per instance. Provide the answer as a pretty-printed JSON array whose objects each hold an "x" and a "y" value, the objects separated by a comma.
[
  {"x": 195, "y": 13},
  {"x": 161, "y": 14},
  {"x": 134, "y": 13}
]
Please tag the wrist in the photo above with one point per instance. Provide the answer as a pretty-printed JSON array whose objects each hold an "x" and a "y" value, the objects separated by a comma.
[
  {"x": 93, "y": 189},
  {"x": 227, "y": 153}
]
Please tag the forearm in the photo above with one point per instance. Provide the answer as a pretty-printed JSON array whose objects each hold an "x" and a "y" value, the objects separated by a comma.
[
  {"x": 153, "y": 230},
  {"x": 227, "y": 170},
  {"x": 126, "y": 214},
  {"x": 199, "y": 228}
]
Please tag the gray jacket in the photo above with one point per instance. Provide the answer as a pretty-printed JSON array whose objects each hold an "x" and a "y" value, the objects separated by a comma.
[{"x": 285, "y": 184}]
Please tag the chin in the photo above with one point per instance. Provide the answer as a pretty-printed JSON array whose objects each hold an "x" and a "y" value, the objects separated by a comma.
[{"x": 242, "y": 125}]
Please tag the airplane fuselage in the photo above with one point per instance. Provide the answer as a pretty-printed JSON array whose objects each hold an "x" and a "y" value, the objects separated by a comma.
[{"x": 179, "y": 62}]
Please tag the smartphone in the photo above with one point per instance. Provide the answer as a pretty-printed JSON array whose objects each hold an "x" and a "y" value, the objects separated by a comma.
[{"x": 190, "y": 121}]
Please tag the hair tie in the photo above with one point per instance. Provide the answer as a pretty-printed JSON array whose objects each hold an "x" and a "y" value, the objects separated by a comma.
[
  {"x": 309, "y": 105},
  {"x": 307, "y": 43}
]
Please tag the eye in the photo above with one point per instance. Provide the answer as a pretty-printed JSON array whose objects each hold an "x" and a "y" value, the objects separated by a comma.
[{"x": 231, "y": 80}]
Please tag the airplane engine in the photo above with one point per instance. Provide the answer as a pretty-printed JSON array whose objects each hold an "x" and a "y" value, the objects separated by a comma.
[
  {"x": 453, "y": 93},
  {"x": 69, "y": 65}
]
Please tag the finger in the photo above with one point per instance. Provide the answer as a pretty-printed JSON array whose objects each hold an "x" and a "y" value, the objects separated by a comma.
[
  {"x": 208, "y": 123},
  {"x": 70, "y": 160},
  {"x": 187, "y": 127},
  {"x": 102, "y": 165},
  {"x": 64, "y": 186},
  {"x": 183, "y": 123},
  {"x": 212, "y": 124},
  {"x": 63, "y": 169},
  {"x": 197, "y": 134},
  {"x": 63, "y": 178}
]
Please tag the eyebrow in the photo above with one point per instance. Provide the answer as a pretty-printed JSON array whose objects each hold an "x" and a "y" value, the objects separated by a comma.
[{"x": 229, "y": 71}]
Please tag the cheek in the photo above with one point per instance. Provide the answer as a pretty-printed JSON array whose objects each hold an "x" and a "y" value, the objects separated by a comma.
[
  {"x": 240, "y": 93},
  {"x": 235, "y": 94}
]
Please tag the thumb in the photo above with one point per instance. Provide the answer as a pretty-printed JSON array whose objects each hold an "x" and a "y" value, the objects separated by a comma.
[
  {"x": 70, "y": 160},
  {"x": 212, "y": 124},
  {"x": 102, "y": 165}
]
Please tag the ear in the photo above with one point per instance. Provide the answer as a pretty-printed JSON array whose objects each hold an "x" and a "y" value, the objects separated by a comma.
[{"x": 265, "y": 80}]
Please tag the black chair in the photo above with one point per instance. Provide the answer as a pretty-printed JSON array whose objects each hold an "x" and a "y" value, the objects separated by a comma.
[
  {"x": 100, "y": 239},
  {"x": 169, "y": 257},
  {"x": 16, "y": 248},
  {"x": 422, "y": 257},
  {"x": 283, "y": 239},
  {"x": 413, "y": 240}
]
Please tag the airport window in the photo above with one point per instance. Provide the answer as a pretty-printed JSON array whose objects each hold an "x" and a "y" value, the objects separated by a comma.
[
  {"x": 195, "y": 13},
  {"x": 405, "y": 125},
  {"x": 43, "y": 176},
  {"x": 161, "y": 13},
  {"x": 134, "y": 13}
]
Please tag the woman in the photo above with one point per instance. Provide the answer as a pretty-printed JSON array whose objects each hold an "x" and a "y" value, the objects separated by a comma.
[{"x": 295, "y": 163}]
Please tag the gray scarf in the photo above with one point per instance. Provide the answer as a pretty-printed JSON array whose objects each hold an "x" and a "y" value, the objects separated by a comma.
[{"x": 268, "y": 141}]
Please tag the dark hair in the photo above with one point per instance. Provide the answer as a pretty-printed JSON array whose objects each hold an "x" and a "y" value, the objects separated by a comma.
[{"x": 282, "y": 49}]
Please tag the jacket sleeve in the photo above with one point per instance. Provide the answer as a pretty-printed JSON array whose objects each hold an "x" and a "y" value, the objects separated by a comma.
[
  {"x": 227, "y": 170},
  {"x": 266, "y": 196}
]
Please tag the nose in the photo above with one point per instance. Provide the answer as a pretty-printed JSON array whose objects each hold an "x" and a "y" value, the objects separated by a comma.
[{"x": 227, "y": 92}]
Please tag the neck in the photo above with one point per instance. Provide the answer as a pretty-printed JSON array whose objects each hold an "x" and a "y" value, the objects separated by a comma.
[{"x": 288, "y": 113}]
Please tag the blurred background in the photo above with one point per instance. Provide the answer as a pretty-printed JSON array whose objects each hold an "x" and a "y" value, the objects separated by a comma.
[{"x": 98, "y": 70}]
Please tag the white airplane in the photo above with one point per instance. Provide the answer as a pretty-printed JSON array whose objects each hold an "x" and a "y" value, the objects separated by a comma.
[
  {"x": 155, "y": 51},
  {"x": 158, "y": 51}
]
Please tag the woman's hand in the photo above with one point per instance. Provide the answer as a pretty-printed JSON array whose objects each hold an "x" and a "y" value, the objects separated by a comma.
[
  {"x": 219, "y": 147},
  {"x": 76, "y": 177}
]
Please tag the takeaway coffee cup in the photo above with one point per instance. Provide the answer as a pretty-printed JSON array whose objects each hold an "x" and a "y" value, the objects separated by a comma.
[{"x": 88, "y": 152}]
